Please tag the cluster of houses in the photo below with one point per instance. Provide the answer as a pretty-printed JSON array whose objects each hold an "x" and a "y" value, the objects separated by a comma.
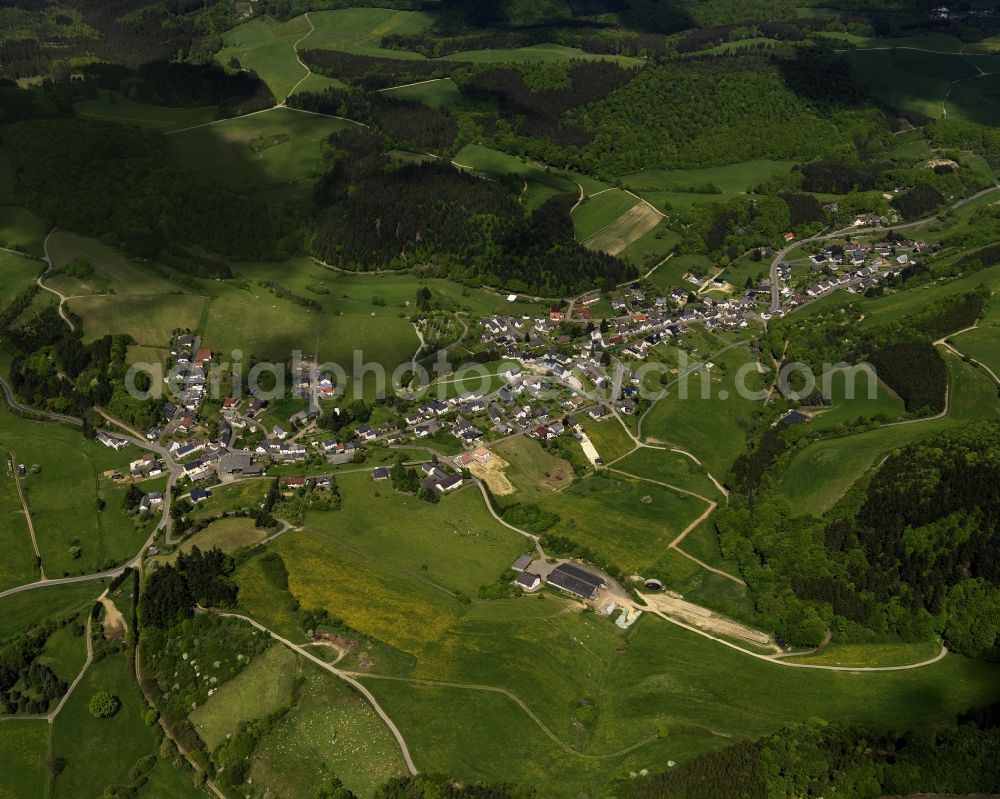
[
  {"x": 190, "y": 371},
  {"x": 856, "y": 266}
]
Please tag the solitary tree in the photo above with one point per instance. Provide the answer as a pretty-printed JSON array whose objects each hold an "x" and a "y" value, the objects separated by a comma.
[{"x": 103, "y": 705}]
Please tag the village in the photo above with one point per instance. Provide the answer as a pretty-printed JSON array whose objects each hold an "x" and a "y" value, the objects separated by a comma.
[{"x": 552, "y": 370}]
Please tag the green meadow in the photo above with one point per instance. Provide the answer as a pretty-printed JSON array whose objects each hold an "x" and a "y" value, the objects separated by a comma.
[
  {"x": 536, "y": 183},
  {"x": 278, "y": 150},
  {"x": 534, "y": 472},
  {"x": 673, "y": 468},
  {"x": 113, "y": 272},
  {"x": 819, "y": 474},
  {"x": 18, "y": 564},
  {"x": 707, "y": 422},
  {"x": 703, "y": 587},
  {"x": 23, "y": 748},
  {"x": 66, "y": 650},
  {"x": 434, "y": 93},
  {"x": 330, "y": 728},
  {"x": 116, "y": 107},
  {"x": 626, "y": 521},
  {"x": 681, "y": 188},
  {"x": 265, "y": 46},
  {"x": 22, "y": 610},
  {"x": 656, "y": 683},
  {"x": 608, "y": 437},
  {"x": 262, "y": 688},
  {"x": 63, "y": 493},
  {"x": 932, "y": 83},
  {"x": 16, "y": 274},
  {"x": 75, "y": 731},
  {"x": 868, "y": 399},
  {"x": 149, "y": 320},
  {"x": 600, "y": 210},
  {"x": 19, "y": 227}
]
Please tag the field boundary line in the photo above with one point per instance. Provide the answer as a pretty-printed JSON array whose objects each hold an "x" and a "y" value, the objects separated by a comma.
[
  {"x": 407, "y": 85},
  {"x": 219, "y": 121}
]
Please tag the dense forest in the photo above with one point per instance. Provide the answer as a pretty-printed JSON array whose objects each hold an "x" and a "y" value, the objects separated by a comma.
[
  {"x": 817, "y": 758},
  {"x": 403, "y": 123},
  {"x": 706, "y": 111},
  {"x": 378, "y": 214},
  {"x": 178, "y": 84},
  {"x": 910, "y": 552},
  {"x": 43, "y": 37},
  {"x": 114, "y": 182}
]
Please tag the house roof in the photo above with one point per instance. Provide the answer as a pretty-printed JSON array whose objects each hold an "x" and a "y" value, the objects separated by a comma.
[
  {"x": 575, "y": 580},
  {"x": 522, "y": 563}
]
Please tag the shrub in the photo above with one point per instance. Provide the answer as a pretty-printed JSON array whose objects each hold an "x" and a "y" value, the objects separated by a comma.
[{"x": 103, "y": 705}]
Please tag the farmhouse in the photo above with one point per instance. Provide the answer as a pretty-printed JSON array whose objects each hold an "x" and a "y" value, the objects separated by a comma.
[
  {"x": 112, "y": 442},
  {"x": 576, "y": 580},
  {"x": 528, "y": 581}
]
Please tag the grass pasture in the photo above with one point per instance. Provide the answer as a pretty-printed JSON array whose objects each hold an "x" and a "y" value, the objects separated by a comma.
[
  {"x": 226, "y": 534},
  {"x": 640, "y": 220},
  {"x": 331, "y": 729},
  {"x": 63, "y": 494},
  {"x": 699, "y": 585},
  {"x": 608, "y": 437},
  {"x": 276, "y": 149},
  {"x": 862, "y": 404},
  {"x": 19, "y": 227},
  {"x": 66, "y": 651},
  {"x": 265, "y": 46},
  {"x": 537, "y": 183},
  {"x": 966, "y": 86},
  {"x": 149, "y": 320},
  {"x": 116, "y": 107},
  {"x": 23, "y": 747},
  {"x": 20, "y": 611},
  {"x": 600, "y": 210},
  {"x": 629, "y": 522},
  {"x": 682, "y": 188},
  {"x": 250, "y": 319},
  {"x": 262, "y": 688},
  {"x": 75, "y": 731},
  {"x": 534, "y": 472},
  {"x": 112, "y": 270},
  {"x": 18, "y": 564},
  {"x": 873, "y": 654},
  {"x": 435, "y": 93},
  {"x": 232, "y": 496},
  {"x": 818, "y": 475},
  {"x": 655, "y": 677},
  {"x": 673, "y": 468},
  {"x": 707, "y": 421},
  {"x": 393, "y": 566}
]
